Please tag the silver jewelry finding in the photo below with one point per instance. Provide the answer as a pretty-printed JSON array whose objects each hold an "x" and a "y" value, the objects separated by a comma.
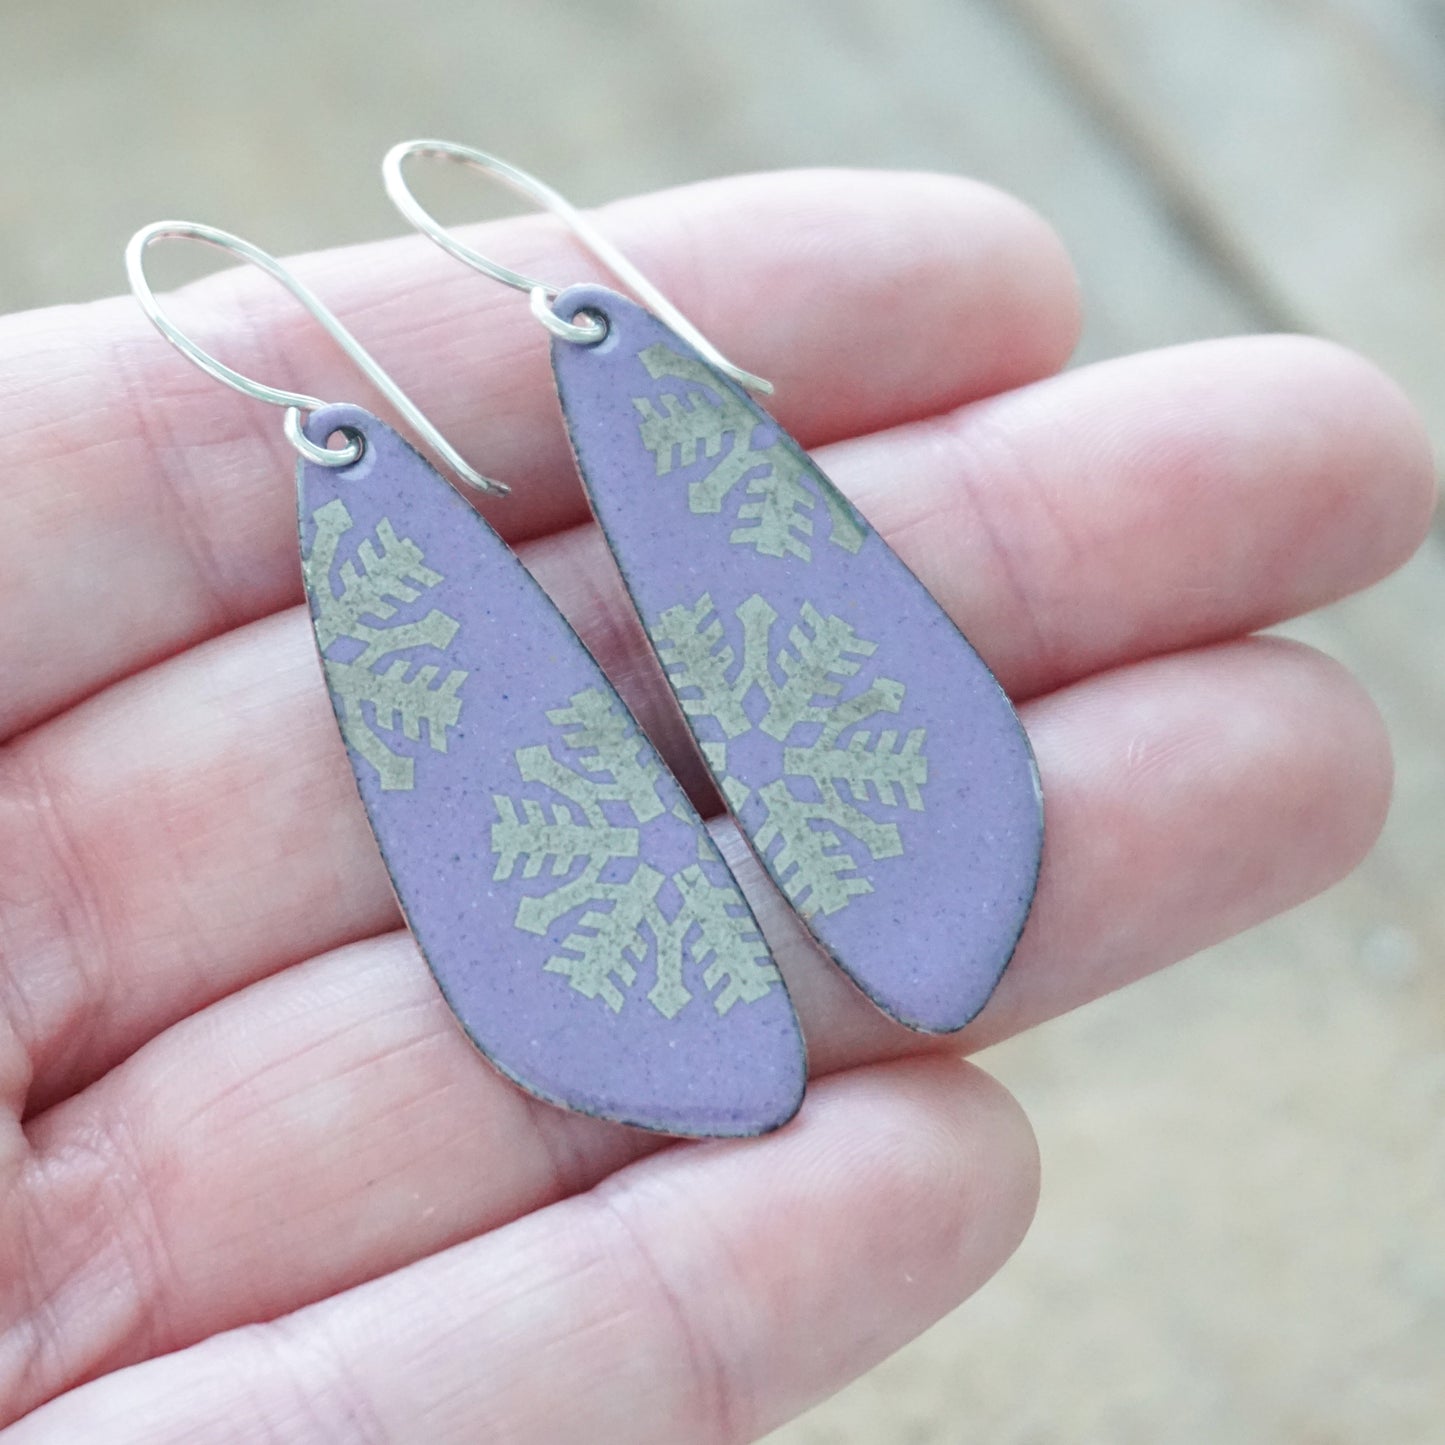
[
  {"x": 542, "y": 292},
  {"x": 296, "y": 403}
]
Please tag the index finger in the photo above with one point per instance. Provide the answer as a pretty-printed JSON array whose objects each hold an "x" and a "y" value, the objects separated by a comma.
[{"x": 145, "y": 508}]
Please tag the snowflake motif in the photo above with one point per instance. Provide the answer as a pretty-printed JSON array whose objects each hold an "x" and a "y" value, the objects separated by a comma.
[
  {"x": 705, "y": 418},
  {"x": 372, "y": 700},
  {"x": 627, "y": 919},
  {"x": 816, "y": 817}
]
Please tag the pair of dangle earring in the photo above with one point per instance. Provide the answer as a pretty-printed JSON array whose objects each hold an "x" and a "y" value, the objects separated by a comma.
[{"x": 569, "y": 900}]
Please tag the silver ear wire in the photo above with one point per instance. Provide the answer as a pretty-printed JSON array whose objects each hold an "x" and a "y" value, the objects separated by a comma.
[
  {"x": 541, "y": 292},
  {"x": 296, "y": 403}
]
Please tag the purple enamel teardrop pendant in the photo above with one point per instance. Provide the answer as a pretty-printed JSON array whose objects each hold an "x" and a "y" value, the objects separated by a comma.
[
  {"x": 864, "y": 747},
  {"x": 572, "y": 906}
]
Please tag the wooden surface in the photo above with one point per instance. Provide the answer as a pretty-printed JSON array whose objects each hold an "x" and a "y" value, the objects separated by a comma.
[{"x": 1242, "y": 1235}]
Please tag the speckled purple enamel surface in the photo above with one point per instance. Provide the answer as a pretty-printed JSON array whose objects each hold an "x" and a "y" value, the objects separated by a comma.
[
  {"x": 545, "y": 882},
  {"x": 866, "y": 749}
]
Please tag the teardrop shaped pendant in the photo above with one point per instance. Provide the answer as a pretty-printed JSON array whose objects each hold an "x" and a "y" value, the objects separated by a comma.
[
  {"x": 569, "y": 900},
  {"x": 875, "y": 763}
]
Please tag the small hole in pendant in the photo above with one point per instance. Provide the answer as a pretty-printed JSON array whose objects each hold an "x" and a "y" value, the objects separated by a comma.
[
  {"x": 348, "y": 443},
  {"x": 591, "y": 316},
  {"x": 587, "y": 317}
]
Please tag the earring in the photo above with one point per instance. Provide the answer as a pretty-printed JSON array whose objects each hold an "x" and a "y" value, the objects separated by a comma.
[
  {"x": 571, "y": 904},
  {"x": 864, "y": 747}
]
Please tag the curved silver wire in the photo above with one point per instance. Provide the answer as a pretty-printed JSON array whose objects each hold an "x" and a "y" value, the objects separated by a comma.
[
  {"x": 541, "y": 292},
  {"x": 295, "y": 402}
]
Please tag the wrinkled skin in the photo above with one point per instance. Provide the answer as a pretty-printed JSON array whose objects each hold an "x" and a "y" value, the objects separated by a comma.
[{"x": 256, "y": 1185}]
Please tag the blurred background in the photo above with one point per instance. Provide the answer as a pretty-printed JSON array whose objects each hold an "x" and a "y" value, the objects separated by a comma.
[{"x": 1242, "y": 1234}]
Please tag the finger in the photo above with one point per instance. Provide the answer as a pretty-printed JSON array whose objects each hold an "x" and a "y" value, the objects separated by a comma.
[
  {"x": 159, "y": 796},
  {"x": 1156, "y": 502},
  {"x": 182, "y": 833},
  {"x": 695, "y": 1296},
  {"x": 331, "y": 1124},
  {"x": 1187, "y": 799},
  {"x": 145, "y": 507}
]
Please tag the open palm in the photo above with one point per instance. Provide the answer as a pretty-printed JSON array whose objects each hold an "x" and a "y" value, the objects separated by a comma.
[{"x": 256, "y": 1183}]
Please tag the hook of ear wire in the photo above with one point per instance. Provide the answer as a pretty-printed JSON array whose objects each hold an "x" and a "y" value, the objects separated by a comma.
[
  {"x": 526, "y": 184},
  {"x": 297, "y": 404}
]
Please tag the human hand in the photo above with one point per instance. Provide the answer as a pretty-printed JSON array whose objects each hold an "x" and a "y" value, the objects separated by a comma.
[{"x": 234, "y": 1095}]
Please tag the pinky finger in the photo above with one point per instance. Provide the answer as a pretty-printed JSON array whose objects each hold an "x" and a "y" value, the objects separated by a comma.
[{"x": 707, "y": 1293}]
